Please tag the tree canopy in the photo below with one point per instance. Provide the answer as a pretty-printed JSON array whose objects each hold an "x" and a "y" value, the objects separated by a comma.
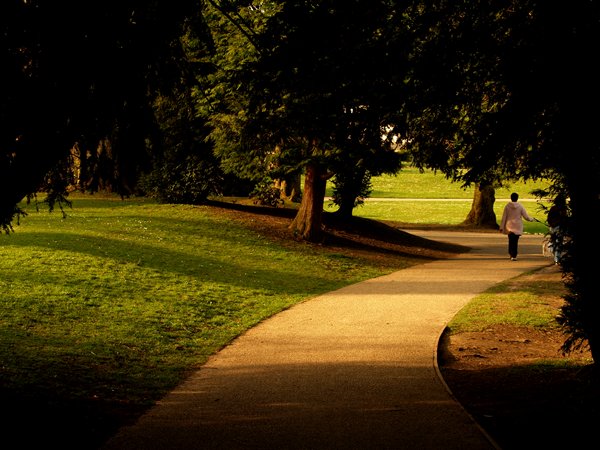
[
  {"x": 80, "y": 73},
  {"x": 304, "y": 85},
  {"x": 505, "y": 90}
]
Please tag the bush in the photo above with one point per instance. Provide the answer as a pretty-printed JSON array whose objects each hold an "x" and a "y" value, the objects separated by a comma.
[{"x": 265, "y": 193}]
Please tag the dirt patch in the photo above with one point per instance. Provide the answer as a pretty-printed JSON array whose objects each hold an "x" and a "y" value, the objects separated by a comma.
[
  {"x": 360, "y": 237},
  {"x": 502, "y": 377}
]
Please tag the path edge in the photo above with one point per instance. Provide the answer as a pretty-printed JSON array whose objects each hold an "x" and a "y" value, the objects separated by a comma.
[{"x": 438, "y": 372}]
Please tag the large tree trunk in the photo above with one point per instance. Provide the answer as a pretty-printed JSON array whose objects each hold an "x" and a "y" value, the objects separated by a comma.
[
  {"x": 482, "y": 213},
  {"x": 308, "y": 223}
]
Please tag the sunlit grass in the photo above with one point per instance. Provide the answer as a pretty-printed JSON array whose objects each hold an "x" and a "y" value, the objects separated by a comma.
[
  {"x": 426, "y": 198},
  {"x": 118, "y": 301},
  {"x": 519, "y": 302},
  {"x": 411, "y": 183},
  {"x": 150, "y": 282},
  {"x": 438, "y": 212},
  {"x": 115, "y": 303}
]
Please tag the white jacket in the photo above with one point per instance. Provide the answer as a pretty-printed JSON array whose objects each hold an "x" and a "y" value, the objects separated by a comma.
[{"x": 512, "y": 218}]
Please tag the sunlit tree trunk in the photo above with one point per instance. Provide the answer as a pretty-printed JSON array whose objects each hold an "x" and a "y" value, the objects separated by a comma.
[
  {"x": 482, "y": 213},
  {"x": 308, "y": 223}
]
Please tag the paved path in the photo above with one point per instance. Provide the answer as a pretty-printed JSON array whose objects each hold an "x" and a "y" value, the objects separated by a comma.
[{"x": 350, "y": 369}]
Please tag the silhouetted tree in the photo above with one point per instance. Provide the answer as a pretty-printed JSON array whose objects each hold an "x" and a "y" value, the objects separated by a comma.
[
  {"x": 81, "y": 74},
  {"x": 500, "y": 92},
  {"x": 302, "y": 84}
]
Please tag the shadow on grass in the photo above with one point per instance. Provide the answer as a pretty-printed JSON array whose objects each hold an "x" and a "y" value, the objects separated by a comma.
[{"x": 203, "y": 267}]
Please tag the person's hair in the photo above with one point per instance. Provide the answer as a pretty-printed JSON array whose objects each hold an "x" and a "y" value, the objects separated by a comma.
[{"x": 514, "y": 196}]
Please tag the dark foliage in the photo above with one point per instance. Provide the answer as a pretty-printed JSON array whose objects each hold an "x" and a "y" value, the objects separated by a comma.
[
  {"x": 500, "y": 91},
  {"x": 80, "y": 73}
]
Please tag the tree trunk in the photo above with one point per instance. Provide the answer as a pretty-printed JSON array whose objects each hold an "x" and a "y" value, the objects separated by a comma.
[
  {"x": 308, "y": 223},
  {"x": 346, "y": 206},
  {"x": 482, "y": 213},
  {"x": 290, "y": 188},
  {"x": 349, "y": 189}
]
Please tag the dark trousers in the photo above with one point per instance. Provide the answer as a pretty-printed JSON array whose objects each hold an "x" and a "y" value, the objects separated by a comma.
[{"x": 513, "y": 244}]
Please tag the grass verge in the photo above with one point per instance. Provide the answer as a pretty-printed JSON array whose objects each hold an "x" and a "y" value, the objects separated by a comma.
[{"x": 521, "y": 302}]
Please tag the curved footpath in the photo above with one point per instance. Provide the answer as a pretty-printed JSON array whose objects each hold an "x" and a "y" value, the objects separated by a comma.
[{"x": 351, "y": 369}]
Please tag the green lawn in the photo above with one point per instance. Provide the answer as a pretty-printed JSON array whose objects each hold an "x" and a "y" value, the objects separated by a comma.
[
  {"x": 446, "y": 212},
  {"x": 427, "y": 198},
  {"x": 411, "y": 183},
  {"x": 104, "y": 311},
  {"x": 115, "y": 303}
]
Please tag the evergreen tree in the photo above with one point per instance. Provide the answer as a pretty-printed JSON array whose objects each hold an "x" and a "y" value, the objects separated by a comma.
[
  {"x": 78, "y": 75},
  {"x": 303, "y": 85},
  {"x": 500, "y": 92}
]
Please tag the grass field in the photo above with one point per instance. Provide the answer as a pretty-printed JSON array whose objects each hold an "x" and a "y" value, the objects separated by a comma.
[
  {"x": 104, "y": 311},
  {"x": 411, "y": 183},
  {"x": 413, "y": 197},
  {"x": 114, "y": 304}
]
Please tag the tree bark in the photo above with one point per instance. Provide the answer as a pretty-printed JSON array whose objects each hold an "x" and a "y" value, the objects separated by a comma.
[
  {"x": 581, "y": 313},
  {"x": 308, "y": 223},
  {"x": 346, "y": 207},
  {"x": 482, "y": 213},
  {"x": 290, "y": 188}
]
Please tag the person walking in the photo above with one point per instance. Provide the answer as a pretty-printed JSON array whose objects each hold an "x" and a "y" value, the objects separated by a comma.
[{"x": 512, "y": 224}]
